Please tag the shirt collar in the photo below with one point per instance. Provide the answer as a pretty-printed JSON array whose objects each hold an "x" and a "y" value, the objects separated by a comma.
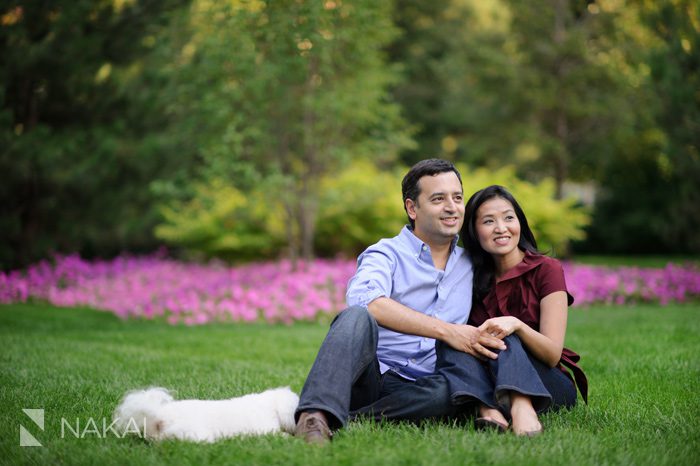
[
  {"x": 417, "y": 244},
  {"x": 529, "y": 262}
]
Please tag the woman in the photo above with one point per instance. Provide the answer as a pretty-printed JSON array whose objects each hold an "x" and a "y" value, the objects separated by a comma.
[{"x": 520, "y": 296}]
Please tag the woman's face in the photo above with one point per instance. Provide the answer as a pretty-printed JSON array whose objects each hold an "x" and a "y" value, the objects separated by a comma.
[{"x": 498, "y": 228}]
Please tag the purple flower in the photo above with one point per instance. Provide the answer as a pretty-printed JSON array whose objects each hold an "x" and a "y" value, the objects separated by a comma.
[{"x": 195, "y": 294}]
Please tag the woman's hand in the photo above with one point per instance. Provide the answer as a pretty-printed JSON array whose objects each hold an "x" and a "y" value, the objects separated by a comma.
[
  {"x": 501, "y": 327},
  {"x": 545, "y": 344}
]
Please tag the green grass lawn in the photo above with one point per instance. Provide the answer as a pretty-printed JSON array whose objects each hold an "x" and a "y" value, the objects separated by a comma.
[{"x": 642, "y": 364}]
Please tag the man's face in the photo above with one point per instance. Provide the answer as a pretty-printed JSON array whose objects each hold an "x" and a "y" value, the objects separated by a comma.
[{"x": 438, "y": 212}]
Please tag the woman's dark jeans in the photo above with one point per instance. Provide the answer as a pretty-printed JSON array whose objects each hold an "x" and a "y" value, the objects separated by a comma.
[{"x": 490, "y": 382}]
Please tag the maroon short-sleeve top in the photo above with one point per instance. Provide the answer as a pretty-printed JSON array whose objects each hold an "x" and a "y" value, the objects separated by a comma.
[{"x": 518, "y": 293}]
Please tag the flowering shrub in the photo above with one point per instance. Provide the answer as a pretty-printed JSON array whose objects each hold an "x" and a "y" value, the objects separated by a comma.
[
  {"x": 622, "y": 285},
  {"x": 192, "y": 294}
]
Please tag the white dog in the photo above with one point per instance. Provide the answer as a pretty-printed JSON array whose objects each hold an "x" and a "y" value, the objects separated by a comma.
[{"x": 157, "y": 416}]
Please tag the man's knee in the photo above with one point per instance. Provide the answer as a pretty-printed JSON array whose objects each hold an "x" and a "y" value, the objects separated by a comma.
[
  {"x": 355, "y": 320},
  {"x": 354, "y": 316}
]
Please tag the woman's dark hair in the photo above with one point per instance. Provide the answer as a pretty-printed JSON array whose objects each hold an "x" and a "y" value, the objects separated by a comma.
[{"x": 484, "y": 266}]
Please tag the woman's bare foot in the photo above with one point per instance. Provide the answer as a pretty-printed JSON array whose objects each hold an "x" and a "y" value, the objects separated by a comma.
[
  {"x": 491, "y": 415},
  {"x": 525, "y": 421}
]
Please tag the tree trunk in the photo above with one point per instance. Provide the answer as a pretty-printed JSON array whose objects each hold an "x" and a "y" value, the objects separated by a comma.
[
  {"x": 561, "y": 163},
  {"x": 308, "y": 203},
  {"x": 292, "y": 237},
  {"x": 561, "y": 126},
  {"x": 308, "y": 207}
]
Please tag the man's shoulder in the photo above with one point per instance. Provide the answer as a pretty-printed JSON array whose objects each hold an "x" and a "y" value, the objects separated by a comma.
[
  {"x": 393, "y": 247},
  {"x": 398, "y": 242}
]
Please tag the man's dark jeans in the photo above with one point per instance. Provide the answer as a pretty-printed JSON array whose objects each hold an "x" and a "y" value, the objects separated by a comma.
[{"x": 345, "y": 381}]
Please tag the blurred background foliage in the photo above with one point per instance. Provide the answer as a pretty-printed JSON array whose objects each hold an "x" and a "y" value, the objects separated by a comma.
[
  {"x": 251, "y": 129},
  {"x": 357, "y": 206}
]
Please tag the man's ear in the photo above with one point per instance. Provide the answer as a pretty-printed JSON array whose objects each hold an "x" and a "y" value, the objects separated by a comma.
[{"x": 411, "y": 208}]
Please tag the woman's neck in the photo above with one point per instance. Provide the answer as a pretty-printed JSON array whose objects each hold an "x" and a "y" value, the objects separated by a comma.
[{"x": 505, "y": 263}]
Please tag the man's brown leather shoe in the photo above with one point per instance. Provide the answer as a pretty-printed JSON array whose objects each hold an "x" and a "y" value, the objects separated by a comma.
[{"x": 313, "y": 428}]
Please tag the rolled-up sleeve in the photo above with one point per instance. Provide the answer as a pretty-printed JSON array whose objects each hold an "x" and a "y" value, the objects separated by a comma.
[
  {"x": 373, "y": 279},
  {"x": 550, "y": 278}
]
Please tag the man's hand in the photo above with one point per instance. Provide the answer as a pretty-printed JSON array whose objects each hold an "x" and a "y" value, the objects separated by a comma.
[
  {"x": 471, "y": 340},
  {"x": 467, "y": 338}
]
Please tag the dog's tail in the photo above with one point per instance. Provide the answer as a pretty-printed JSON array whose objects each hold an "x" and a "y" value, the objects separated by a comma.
[{"x": 138, "y": 412}]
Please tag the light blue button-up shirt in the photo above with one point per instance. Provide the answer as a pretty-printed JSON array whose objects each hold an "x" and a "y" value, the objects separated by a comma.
[{"x": 401, "y": 268}]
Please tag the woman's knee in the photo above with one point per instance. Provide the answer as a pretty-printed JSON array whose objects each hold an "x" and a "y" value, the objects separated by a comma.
[
  {"x": 446, "y": 356},
  {"x": 513, "y": 341},
  {"x": 515, "y": 351}
]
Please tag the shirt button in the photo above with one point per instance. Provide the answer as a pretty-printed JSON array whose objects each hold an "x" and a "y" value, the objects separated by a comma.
[{"x": 425, "y": 248}]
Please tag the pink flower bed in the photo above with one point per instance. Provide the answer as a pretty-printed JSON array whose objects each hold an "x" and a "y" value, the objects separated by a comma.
[{"x": 193, "y": 294}]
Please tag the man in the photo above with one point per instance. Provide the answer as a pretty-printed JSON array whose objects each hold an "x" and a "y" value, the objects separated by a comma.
[{"x": 378, "y": 359}]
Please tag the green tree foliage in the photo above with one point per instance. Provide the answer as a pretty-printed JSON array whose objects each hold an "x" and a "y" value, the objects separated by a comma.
[
  {"x": 273, "y": 111},
  {"x": 675, "y": 73},
  {"x": 75, "y": 167},
  {"x": 587, "y": 90},
  {"x": 513, "y": 82},
  {"x": 285, "y": 92},
  {"x": 650, "y": 196},
  {"x": 567, "y": 85}
]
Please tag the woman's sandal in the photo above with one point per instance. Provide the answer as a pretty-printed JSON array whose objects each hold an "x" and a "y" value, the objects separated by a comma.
[{"x": 486, "y": 423}]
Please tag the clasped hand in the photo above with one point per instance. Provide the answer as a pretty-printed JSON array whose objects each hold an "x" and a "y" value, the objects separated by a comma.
[
  {"x": 500, "y": 327},
  {"x": 474, "y": 341}
]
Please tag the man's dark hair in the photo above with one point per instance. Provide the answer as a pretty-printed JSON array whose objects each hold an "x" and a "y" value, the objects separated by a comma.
[{"x": 429, "y": 167}]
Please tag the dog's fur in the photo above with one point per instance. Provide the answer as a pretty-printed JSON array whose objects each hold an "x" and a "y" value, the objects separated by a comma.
[{"x": 158, "y": 416}]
